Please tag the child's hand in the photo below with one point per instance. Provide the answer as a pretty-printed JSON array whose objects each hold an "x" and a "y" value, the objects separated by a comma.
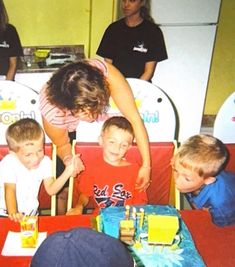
[
  {"x": 17, "y": 217},
  {"x": 74, "y": 166},
  {"x": 75, "y": 211}
]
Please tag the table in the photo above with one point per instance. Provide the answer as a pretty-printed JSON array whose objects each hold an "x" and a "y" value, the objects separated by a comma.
[
  {"x": 47, "y": 224},
  {"x": 216, "y": 245}
]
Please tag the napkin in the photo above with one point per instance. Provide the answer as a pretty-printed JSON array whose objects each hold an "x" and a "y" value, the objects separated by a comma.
[{"x": 12, "y": 245}]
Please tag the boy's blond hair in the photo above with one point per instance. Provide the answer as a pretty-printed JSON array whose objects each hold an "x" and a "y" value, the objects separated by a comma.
[
  {"x": 22, "y": 131},
  {"x": 203, "y": 154}
]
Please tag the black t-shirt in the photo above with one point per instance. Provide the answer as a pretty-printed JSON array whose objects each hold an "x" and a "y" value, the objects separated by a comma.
[
  {"x": 10, "y": 46},
  {"x": 131, "y": 47}
]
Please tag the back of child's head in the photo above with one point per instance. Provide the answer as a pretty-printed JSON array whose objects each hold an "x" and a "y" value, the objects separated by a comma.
[
  {"x": 81, "y": 247},
  {"x": 119, "y": 122},
  {"x": 203, "y": 154},
  {"x": 23, "y": 131}
]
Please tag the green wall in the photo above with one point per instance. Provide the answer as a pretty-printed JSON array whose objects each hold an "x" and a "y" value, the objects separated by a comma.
[{"x": 58, "y": 22}]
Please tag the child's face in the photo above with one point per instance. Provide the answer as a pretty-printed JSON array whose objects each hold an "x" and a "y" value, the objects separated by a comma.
[
  {"x": 186, "y": 180},
  {"x": 115, "y": 143},
  {"x": 31, "y": 153}
]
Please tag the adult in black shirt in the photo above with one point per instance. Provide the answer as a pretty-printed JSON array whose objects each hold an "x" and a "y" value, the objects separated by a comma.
[
  {"x": 10, "y": 46},
  {"x": 134, "y": 44}
]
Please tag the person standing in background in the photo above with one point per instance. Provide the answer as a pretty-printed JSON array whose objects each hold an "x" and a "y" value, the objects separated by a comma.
[
  {"x": 134, "y": 44},
  {"x": 10, "y": 46}
]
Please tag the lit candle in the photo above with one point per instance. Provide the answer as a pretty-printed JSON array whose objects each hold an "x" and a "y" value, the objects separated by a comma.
[
  {"x": 141, "y": 218},
  {"x": 127, "y": 212},
  {"x": 134, "y": 213}
]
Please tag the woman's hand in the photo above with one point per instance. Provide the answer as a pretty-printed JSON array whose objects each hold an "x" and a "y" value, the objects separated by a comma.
[
  {"x": 125, "y": 101},
  {"x": 143, "y": 179}
]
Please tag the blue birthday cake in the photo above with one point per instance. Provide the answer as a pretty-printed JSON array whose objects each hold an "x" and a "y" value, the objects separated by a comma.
[{"x": 155, "y": 235}]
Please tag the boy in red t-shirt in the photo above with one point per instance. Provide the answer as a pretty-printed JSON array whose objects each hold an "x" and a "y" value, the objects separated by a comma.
[{"x": 110, "y": 181}]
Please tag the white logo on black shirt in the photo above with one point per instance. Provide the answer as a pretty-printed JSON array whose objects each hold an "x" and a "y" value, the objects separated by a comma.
[
  {"x": 140, "y": 47},
  {"x": 4, "y": 44}
]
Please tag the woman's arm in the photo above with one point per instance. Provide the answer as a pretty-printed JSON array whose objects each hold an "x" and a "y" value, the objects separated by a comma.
[
  {"x": 108, "y": 60},
  {"x": 60, "y": 138},
  {"x": 149, "y": 69},
  {"x": 124, "y": 99},
  {"x": 12, "y": 69}
]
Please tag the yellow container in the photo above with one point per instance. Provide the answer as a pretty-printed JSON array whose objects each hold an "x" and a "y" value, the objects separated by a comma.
[
  {"x": 42, "y": 53},
  {"x": 162, "y": 229},
  {"x": 29, "y": 232}
]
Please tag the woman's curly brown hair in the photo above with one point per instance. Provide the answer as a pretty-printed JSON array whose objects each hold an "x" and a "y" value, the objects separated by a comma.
[{"x": 79, "y": 86}]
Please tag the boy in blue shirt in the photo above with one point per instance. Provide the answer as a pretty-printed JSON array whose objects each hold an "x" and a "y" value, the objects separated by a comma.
[{"x": 198, "y": 172}]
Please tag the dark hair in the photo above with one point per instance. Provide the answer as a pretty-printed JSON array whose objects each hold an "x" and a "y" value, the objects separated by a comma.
[
  {"x": 82, "y": 247},
  {"x": 120, "y": 122},
  {"x": 79, "y": 86},
  {"x": 3, "y": 17},
  {"x": 145, "y": 11}
]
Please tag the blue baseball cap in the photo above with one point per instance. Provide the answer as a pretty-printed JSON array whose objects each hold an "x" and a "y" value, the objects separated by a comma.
[{"x": 81, "y": 247}]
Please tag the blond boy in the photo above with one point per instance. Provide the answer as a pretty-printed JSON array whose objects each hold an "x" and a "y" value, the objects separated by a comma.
[
  {"x": 198, "y": 172},
  {"x": 25, "y": 167}
]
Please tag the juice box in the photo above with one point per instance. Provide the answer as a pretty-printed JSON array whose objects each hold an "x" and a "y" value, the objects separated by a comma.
[{"x": 29, "y": 232}]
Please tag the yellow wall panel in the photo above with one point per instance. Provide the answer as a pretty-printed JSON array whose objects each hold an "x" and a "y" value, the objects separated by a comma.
[
  {"x": 102, "y": 16},
  {"x": 222, "y": 76},
  {"x": 50, "y": 22}
]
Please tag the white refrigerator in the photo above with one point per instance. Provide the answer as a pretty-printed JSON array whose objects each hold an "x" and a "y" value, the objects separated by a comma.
[{"x": 189, "y": 28}]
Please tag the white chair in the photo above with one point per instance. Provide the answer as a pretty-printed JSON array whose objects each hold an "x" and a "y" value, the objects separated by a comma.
[
  {"x": 71, "y": 182},
  {"x": 155, "y": 108},
  {"x": 224, "y": 125},
  {"x": 17, "y": 101}
]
